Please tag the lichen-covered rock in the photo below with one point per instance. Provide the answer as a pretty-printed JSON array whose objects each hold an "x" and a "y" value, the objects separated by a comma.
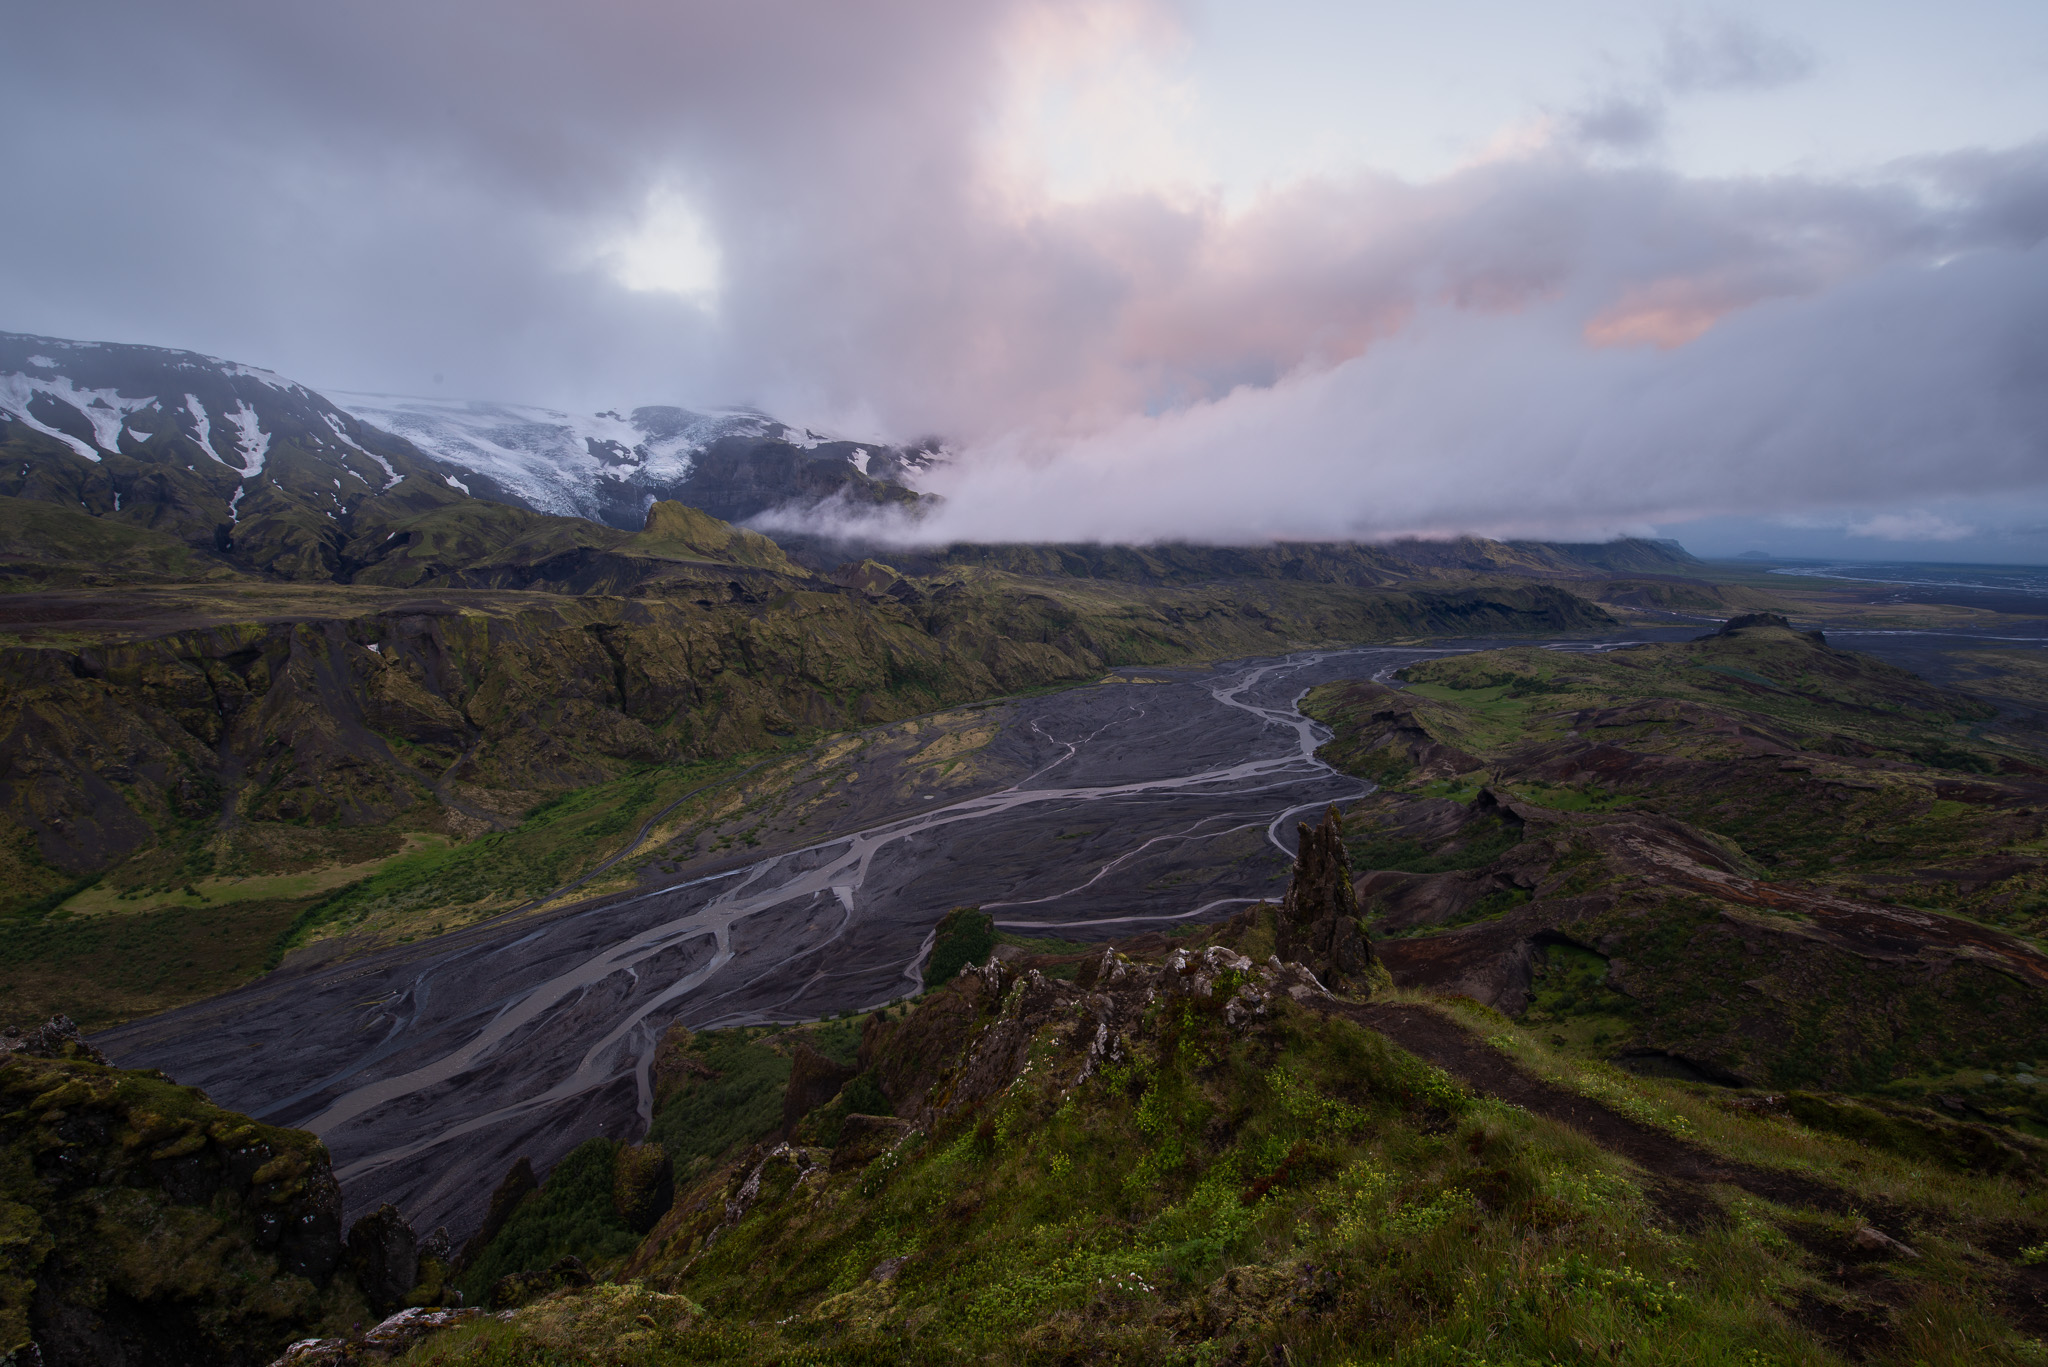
[
  {"x": 139, "y": 1223},
  {"x": 389, "y": 1340},
  {"x": 58, "y": 1037},
  {"x": 1247, "y": 1299},
  {"x": 1319, "y": 924},
  {"x": 643, "y": 1185},
  {"x": 864, "y": 1138}
]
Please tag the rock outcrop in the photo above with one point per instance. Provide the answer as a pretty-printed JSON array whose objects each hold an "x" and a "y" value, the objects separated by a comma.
[
  {"x": 1753, "y": 621},
  {"x": 58, "y": 1037},
  {"x": 384, "y": 1255},
  {"x": 523, "y": 1288},
  {"x": 1319, "y": 924},
  {"x": 813, "y": 1081},
  {"x": 387, "y": 1342}
]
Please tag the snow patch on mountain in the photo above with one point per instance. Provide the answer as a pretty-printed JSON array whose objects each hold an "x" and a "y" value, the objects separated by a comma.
[
  {"x": 551, "y": 459},
  {"x": 250, "y": 437},
  {"x": 391, "y": 475},
  {"x": 104, "y": 409},
  {"x": 263, "y": 377},
  {"x": 202, "y": 428}
]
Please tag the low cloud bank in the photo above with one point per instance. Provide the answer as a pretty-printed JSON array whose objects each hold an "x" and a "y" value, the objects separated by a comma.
[{"x": 1921, "y": 374}]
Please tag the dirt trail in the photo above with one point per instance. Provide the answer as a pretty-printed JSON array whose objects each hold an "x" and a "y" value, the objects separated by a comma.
[{"x": 1681, "y": 1170}]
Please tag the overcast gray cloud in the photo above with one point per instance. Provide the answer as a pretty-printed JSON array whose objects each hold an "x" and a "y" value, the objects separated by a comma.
[
  {"x": 1722, "y": 52},
  {"x": 365, "y": 196}
]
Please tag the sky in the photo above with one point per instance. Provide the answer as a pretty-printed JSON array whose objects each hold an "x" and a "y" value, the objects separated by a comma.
[{"x": 1757, "y": 276}]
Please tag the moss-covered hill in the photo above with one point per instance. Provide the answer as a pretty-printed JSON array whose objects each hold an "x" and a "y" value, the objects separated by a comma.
[
  {"x": 1752, "y": 857},
  {"x": 1183, "y": 1155}
]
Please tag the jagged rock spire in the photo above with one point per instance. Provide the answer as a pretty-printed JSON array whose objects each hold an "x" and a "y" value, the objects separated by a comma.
[{"x": 1319, "y": 916}]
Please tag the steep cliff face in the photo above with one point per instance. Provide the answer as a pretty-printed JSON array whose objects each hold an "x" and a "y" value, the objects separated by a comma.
[
  {"x": 355, "y": 720},
  {"x": 1329, "y": 562}
]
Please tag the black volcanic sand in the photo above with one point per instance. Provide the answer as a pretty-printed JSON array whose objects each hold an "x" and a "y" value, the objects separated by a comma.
[{"x": 430, "y": 1068}]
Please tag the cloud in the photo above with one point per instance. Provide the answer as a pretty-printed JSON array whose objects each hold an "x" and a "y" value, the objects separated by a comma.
[
  {"x": 1467, "y": 421},
  {"x": 1625, "y": 122},
  {"x": 1721, "y": 52},
  {"x": 1913, "y": 526},
  {"x": 892, "y": 217}
]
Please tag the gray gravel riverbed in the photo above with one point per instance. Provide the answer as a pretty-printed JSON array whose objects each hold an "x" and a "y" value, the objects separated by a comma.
[{"x": 429, "y": 1068}]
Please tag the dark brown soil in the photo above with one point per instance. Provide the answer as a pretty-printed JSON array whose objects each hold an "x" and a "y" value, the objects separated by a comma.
[
  {"x": 1680, "y": 1171},
  {"x": 1853, "y": 1331}
]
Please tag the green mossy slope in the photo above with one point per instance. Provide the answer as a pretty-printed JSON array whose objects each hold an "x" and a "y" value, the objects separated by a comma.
[
  {"x": 1237, "y": 1176},
  {"x": 1748, "y": 857}
]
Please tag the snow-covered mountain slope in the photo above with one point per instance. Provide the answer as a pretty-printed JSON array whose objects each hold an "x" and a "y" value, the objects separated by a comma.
[
  {"x": 269, "y": 476},
  {"x": 98, "y": 399},
  {"x": 610, "y": 466},
  {"x": 226, "y": 458}
]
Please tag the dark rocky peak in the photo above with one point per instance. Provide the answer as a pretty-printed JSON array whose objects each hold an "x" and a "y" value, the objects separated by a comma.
[
  {"x": 1319, "y": 915},
  {"x": 384, "y": 1255},
  {"x": 58, "y": 1037}
]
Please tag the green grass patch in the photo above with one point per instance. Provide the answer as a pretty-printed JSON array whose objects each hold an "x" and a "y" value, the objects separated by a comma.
[
  {"x": 1479, "y": 844},
  {"x": 104, "y": 969},
  {"x": 1566, "y": 798},
  {"x": 558, "y": 840},
  {"x": 104, "y": 899},
  {"x": 739, "y": 1103},
  {"x": 966, "y": 935}
]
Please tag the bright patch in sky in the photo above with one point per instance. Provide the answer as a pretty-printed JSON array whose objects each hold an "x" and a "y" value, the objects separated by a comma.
[
  {"x": 671, "y": 250},
  {"x": 1100, "y": 104}
]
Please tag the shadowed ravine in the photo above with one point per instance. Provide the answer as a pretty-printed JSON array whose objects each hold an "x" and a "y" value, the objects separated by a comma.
[{"x": 428, "y": 1069}]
